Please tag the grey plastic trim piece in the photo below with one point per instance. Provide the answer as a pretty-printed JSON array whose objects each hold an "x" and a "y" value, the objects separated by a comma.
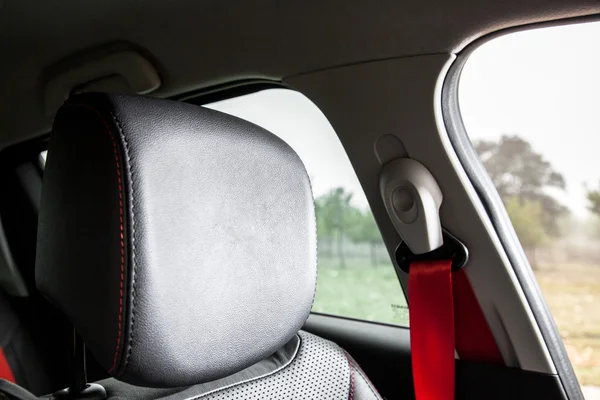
[
  {"x": 412, "y": 199},
  {"x": 31, "y": 180},
  {"x": 524, "y": 338},
  {"x": 124, "y": 71},
  {"x": 10, "y": 278},
  {"x": 501, "y": 222}
]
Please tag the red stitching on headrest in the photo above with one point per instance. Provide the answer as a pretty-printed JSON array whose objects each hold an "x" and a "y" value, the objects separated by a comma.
[{"x": 121, "y": 229}]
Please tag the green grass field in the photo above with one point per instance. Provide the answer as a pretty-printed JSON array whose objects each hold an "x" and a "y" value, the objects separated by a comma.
[{"x": 360, "y": 291}]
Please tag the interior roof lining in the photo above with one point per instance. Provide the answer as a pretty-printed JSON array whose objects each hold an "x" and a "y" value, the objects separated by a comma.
[
  {"x": 194, "y": 45},
  {"x": 238, "y": 87}
]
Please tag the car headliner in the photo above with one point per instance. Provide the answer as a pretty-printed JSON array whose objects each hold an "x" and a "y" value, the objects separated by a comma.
[{"x": 197, "y": 44}]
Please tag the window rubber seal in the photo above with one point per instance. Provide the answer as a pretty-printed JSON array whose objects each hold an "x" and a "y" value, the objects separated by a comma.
[{"x": 500, "y": 220}]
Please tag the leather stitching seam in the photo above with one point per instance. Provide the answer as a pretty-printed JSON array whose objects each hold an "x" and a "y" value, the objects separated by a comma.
[
  {"x": 121, "y": 227},
  {"x": 133, "y": 259},
  {"x": 351, "y": 394},
  {"x": 368, "y": 381},
  {"x": 363, "y": 376}
]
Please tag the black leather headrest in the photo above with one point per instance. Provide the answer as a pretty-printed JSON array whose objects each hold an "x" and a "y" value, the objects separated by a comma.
[{"x": 180, "y": 241}]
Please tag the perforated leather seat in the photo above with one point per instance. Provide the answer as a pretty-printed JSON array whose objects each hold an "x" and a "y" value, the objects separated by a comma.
[{"x": 181, "y": 243}]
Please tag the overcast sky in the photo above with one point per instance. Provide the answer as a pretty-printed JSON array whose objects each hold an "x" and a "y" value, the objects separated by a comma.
[{"x": 543, "y": 85}]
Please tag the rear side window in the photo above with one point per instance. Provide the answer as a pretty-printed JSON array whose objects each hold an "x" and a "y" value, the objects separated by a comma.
[
  {"x": 356, "y": 277},
  {"x": 530, "y": 103}
]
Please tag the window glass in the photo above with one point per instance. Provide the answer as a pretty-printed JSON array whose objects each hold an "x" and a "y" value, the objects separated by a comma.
[
  {"x": 530, "y": 102},
  {"x": 356, "y": 277}
]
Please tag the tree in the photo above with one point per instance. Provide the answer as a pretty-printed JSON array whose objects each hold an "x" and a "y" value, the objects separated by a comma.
[
  {"x": 519, "y": 172},
  {"x": 364, "y": 230},
  {"x": 325, "y": 229},
  {"x": 593, "y": 197},
  {"x": 333, "y": 209},
  {"x": 527, "y": 219}
]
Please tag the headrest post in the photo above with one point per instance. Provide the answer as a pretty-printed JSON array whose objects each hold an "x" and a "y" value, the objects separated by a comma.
[
  {"x": 78, "y": 386},
  {"x": 77, "y": 368}
]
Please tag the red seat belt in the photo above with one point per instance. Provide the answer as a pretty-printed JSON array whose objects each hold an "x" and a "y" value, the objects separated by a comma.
[
  {"x": 5, "y": 371},
  {"x": 444, "y": 315},
  {"x": 473, "y": 338},
  {"x": 432, "y": 329}
]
